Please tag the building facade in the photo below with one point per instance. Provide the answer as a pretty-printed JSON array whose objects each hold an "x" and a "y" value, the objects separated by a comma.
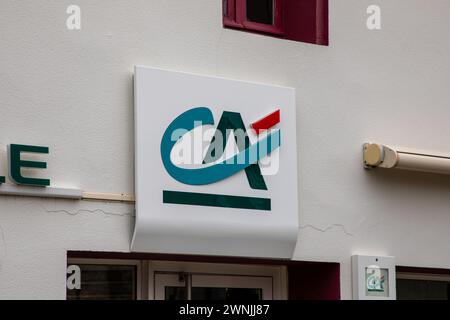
[{"x": 72, "y": 90}]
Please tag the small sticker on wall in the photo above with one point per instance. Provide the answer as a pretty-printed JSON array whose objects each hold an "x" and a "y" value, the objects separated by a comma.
[{"x": 377, "y": 281}]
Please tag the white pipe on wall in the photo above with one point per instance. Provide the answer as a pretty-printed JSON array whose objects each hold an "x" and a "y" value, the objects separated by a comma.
[
  {"x": 378, "y": 155},
  {"x": 418, "y": 162}
]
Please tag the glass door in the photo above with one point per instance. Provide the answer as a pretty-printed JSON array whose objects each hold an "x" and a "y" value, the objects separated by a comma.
[
  {"x": 194, "y": 286},
  {"x": 171, "y": 286}
]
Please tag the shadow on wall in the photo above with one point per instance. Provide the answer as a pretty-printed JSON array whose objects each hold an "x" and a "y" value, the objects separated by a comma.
[{"x": 411, "y": 184}]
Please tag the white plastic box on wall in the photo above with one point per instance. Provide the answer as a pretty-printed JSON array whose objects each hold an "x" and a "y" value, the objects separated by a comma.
[{"x": 373, "y": 277}]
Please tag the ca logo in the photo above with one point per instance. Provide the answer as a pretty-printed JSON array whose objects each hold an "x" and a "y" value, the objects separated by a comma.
[{"x": 218, "y": 166}]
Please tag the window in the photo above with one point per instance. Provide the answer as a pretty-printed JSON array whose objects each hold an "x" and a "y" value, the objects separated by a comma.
[
  {"x": 105, "y": 280},
  {"x": 423, "y": 286},
  {"x": 257, "y": 15},
  {"x": 298, "y": 20},
  {"x": 260, "y": 11}
]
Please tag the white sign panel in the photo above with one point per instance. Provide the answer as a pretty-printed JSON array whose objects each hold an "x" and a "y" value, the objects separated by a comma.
[{"x": 216, "y": 166}]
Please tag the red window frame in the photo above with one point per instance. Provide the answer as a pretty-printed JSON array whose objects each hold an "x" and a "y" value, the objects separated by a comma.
[
  {"x": 296, "y": 20},
  {"x": 236, "y": 17}
]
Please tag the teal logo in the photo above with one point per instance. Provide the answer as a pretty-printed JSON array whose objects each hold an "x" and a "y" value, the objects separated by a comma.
[
  {"x": 16, "y": 163},
  {"x": 214, "y": 170}
]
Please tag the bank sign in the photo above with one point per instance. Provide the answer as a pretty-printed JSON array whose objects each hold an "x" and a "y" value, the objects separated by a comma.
[{"x": 215, "y": 166}]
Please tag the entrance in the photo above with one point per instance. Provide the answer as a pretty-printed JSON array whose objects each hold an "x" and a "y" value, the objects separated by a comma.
[
  {"x": 187, "y": 286},
  {"x": 203, "y": 281},
  {"x": 118, "y": 276}
]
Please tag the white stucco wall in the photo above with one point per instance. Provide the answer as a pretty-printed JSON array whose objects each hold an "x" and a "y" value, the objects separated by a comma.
[{"x": 73, "y": 91}]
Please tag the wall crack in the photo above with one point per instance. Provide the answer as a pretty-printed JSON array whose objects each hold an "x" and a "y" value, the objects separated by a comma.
[
  {"x": 336, "y": 225},
  {"x": 95, "y": 211}
]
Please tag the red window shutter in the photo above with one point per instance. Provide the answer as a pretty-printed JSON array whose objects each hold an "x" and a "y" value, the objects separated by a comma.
[{"x": 306, "y": 21}]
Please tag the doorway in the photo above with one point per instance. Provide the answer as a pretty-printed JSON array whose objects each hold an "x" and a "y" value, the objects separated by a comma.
[
  {"x": 188, "y": 286},
  {"x": 204, "y": 281}
]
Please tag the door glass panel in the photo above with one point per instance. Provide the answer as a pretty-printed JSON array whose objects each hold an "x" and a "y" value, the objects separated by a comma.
[
  {"x": 231, "y": 287},
  {"x": 205, "y": 293},
  {"x": 170, "y": 286},
  {"x": 260, "y": 11},
  {"x": 175, "y": 293}
]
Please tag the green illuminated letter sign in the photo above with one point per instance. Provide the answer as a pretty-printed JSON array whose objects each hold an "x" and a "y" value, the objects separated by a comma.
[{"x": 16, "y": 163}]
